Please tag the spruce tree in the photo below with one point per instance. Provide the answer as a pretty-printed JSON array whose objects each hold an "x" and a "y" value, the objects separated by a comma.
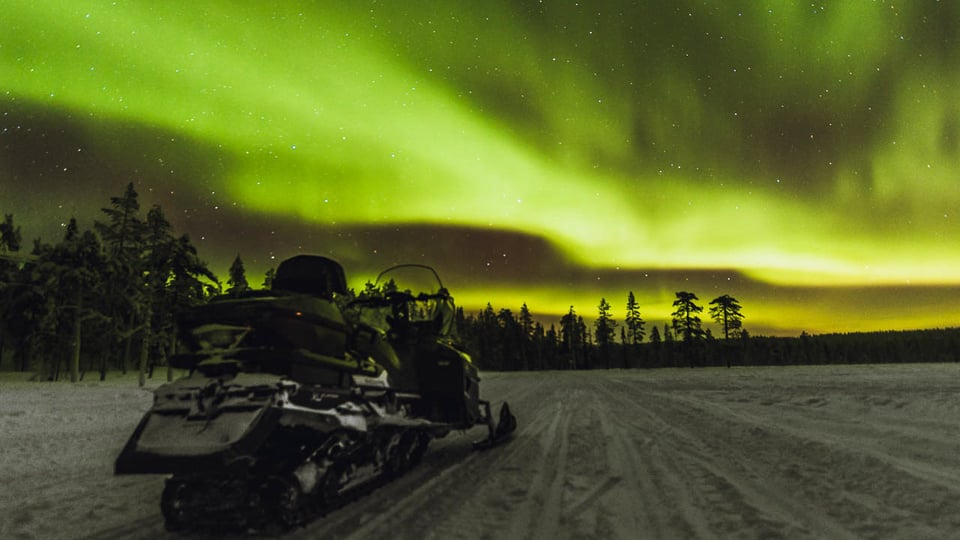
[
  {"x": 123, "y": 230},
  {"x": 122, "y": 235},
  {"x": 634, "y": 323},
  {"x": 525, "y": 319},
  {"x": 685, "y": 318},
  {"x": 605, "y": 331},
  {"x": 269, "y": 277},
  {"x": 9, "y": 244},
  {"x": 158, "y": 253},
  {"x": 237, "y": 282},
  {"x": 571, "y": 336},
  {"x": 9, "y": 236}
]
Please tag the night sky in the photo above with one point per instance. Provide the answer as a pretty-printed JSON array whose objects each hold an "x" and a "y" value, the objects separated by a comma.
[{"x": 801, "y": 157}]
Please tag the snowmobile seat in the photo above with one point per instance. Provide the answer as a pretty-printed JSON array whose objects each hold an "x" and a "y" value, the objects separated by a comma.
[{"x": 310, "y": 274}]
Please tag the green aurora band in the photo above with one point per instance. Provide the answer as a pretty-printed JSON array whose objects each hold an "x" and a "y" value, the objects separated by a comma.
[{"x": 813, "y": 150}]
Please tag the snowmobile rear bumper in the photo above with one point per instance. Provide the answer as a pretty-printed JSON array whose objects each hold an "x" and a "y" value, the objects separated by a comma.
[{"x": 145, "y": 452}]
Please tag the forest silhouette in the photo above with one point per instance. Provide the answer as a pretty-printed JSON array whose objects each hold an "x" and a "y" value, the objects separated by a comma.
[{"x": 107, "y": 299}]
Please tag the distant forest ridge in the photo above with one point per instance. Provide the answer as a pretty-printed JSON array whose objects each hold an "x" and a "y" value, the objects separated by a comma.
[
  {"x": 107, "y": 299},
  {"x": 504, "y": 347}
]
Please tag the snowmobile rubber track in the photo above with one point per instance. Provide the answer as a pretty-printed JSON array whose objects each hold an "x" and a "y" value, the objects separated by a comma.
[{"x": 275, "y": 504}]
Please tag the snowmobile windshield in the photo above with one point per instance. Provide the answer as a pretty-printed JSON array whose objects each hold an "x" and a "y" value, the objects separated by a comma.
[
  {"x": 405, "y": 295},
  {"x": 414, "y": 279}
]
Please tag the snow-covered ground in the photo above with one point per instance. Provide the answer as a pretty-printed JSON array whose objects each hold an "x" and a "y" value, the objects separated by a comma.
[{"x": 793, "y": 452}]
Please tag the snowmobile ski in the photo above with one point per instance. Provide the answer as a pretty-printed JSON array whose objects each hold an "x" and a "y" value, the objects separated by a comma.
[{"x": 497, "y": 432}]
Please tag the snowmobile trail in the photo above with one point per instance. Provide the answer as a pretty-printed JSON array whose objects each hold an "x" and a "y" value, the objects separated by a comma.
[{"x": 817, "y": 452}]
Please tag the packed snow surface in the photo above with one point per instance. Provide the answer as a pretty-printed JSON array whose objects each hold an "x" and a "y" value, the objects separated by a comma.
[{"x": 786, "y": 452}]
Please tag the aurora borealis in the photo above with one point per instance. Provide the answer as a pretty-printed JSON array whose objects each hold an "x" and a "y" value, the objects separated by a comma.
[{"x": 802, "y": 157}]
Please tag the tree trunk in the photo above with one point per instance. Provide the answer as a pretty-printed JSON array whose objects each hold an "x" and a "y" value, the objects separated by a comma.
[
  {"x": 20, "y": 356},
  {"x": 127, "y": 345},
  {"x": 173, "y": 351},
  {"x": 75, "y": 356},
  {"x": 144, "y": 349}
]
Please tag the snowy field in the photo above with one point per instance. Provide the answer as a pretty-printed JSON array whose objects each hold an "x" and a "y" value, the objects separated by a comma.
[{"x": 794, "y": 452}]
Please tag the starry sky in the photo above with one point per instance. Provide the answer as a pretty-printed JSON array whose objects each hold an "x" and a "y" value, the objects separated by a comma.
[{"x": 803, "y": 157}]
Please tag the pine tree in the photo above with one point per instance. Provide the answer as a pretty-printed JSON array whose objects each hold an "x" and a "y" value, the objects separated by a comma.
[
  {"x": 624, "y": 348},
  {"x": 634, "y": 323},
  {"x": 510, "y": 339},
  {"x": 158, "y": 253},
  {"x": 685, "y": 317},
  {"x": 491, "y": 352},
  {"x": 61, "y": 296},
  {"x": 122, "y": 235},
  {"x": 725, "y": 311},
  {"x": 237, "y": 282},
  {"x": 525, "y": 319},
  {"x": 552, "y": 344},
  {"x": 9, "y": 244},
  {"x": 605, "y": 332},
  {"x": 123, "y": 230},
  {"x": 82, "y": 274},
  {"x": 539, "y": 345},
  {"x": 9, "y": 236},
  {"x": 571, "y": 336},
  {"x": 269, "y": 277}
]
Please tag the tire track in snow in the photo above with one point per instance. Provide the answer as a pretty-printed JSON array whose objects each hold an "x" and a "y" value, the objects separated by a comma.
[
  {"x": 546, "y": 486},
  {"x": 674, "y": 504},
  {"x": 880, "y": 492},
  {"x": 145, "y": 528},
  {"x": 649, "y": 454},
  {"x": 432, "y": 496},
  {"x": 809, "y": 483},
  {"x": 723, "y": 486},
  {"x": 838, "y": 434}
]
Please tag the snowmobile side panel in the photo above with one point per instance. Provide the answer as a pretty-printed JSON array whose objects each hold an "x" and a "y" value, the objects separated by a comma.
[{"x": 449, "y": 384}]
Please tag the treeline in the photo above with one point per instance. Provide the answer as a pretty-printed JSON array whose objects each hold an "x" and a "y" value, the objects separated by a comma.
[
  {"x": 502, "y": 341},
  {"x": 100, "y": 299},
  {"x": 107, "y": 299}
]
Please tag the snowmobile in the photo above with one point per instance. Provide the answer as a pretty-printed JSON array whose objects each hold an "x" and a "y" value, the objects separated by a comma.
[{"x": 297, "y": 399}]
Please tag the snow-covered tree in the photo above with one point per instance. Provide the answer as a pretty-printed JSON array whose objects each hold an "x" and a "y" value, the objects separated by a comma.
[
  {"x": 237, "y": 282},
  {"x": 268, "y": 278}
]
